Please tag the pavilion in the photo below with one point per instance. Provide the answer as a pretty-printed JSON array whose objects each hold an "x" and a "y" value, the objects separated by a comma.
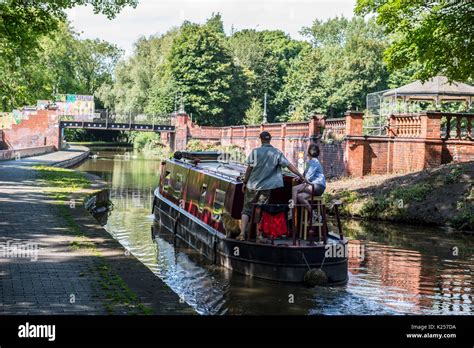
[{"x": 436, "y": 90}]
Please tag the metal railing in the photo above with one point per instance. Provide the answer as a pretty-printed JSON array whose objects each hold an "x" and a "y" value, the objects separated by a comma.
[{"x": 106, "y": 117}]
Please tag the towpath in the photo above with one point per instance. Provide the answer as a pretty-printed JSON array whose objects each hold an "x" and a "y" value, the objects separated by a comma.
[{"x": 41, "y": 270}]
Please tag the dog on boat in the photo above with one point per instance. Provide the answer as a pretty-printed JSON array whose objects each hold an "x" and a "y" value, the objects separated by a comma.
[{"x": 231, "y": 225}]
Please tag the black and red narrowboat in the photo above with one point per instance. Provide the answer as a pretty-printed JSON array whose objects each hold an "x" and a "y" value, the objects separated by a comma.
[{"x": 199, "y": 200}]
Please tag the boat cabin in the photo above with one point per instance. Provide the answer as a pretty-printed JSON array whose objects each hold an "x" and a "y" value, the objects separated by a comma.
[{"x": 208, "y": 187}]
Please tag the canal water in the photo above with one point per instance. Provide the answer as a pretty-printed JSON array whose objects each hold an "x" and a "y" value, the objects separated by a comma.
[{"x": 393, "y": 268}]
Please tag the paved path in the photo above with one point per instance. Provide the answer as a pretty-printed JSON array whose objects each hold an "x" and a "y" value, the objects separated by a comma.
[{"x": 55, "y": 278}]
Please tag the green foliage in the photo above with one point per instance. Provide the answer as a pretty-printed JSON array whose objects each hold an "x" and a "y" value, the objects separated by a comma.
[
  {"x": 234, "y": 151},
  {"x": 81, "y": 135},
  {"x": 463, "y": 218},
  {"x": 143, "y": 82},
  {"x": 202, "y": 69},
  {"x": 60, "y": 181},
  {"x": 454, "y": 175},
  {"x": 343, "y": 65},
  {"x": 197, "y": 145},
  {"x": 150, "y": 144},
  {"x": 374, "y": 207},
  {"x": 223, "y": 79},
  {"x": 64, "y": 64},
  {"x": 416, "y": 192},
  {"x": 438, "y": 35},
  {"x": 346, "y": 197},
  {"x": 254, "y": 114},
  {"x": 140, "y": 139},
  {"x": 265, "y": 58},
  {"x": 25, "y": 70}
]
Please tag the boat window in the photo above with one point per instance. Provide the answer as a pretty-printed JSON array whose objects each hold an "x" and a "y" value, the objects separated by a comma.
[
  {"x": 178, "y": 186},
  {"x": 202, "y": 197},
  {"x": 219, "y": 199},
  {"x": 166, "y": 180}
]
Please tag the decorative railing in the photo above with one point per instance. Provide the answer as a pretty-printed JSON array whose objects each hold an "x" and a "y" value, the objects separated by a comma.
[
  {"x": 273, "y": 129},
  {"x": 294, "y": 129},
  {"x": 457, "y": 126},
  {"x": 238, "y": 132},
  {"x": 253, "y": 131},
  {"x": 297, "y": 129},
  {"x": 336, "y": 125},
  {"x": 405, "y": 125}
]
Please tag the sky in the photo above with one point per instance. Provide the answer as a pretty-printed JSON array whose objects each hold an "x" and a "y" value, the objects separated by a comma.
[{"x": 158, "y": 16}]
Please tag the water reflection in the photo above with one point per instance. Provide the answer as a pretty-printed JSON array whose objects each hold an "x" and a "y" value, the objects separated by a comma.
[{"x": 397, "y": 269}]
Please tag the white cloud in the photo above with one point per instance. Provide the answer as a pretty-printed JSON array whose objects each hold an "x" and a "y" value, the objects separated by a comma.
[{"x": 158, "y": 16}]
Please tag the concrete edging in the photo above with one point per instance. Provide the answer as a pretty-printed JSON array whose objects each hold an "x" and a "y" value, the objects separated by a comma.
[{"x": 6, "y": 155}]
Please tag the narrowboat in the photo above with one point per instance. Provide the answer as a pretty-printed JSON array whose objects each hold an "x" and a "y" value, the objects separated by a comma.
[{"x": 199, "y": 200}]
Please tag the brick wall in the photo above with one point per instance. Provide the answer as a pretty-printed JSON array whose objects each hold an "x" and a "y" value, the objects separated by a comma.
[
  {"x": 332, "y": 158},
  {"x": 39, "y": 130},
  {"x": 412, "y": 142},
  {"x": 457, "y": 151},
  {"x": 290, "y": 138}
]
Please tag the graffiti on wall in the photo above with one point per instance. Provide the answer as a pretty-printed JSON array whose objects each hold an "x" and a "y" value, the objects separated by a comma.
[
  {"x": 8, "y": 119},
  {"x": 80, "y": 106}
]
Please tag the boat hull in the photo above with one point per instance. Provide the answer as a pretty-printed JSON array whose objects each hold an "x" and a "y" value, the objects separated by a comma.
[{"x": 285, "y": 263}]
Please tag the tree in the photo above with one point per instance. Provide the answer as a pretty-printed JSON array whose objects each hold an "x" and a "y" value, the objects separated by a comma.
[
  {"x": 143, "y": 82},
  {"x": 215, "y": 23},
  {"x": 254, "y": 113},
  {"x": 202, "y": 69},
  {"x": 343, "y": 65},
  {"x": 437, "y": 34},
  {"x": 23, "y": 26},
  {"x": 265, "y": 57}
]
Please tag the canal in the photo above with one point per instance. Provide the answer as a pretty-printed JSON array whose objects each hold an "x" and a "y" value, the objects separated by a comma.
[{"x": 393, "y": 268}]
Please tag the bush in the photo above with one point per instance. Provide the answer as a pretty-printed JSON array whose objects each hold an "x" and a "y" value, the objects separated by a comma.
[
  {"x": 375, "y": 207},
  {"x": 454, "y": 175},
  {"x": 464, "y": 218},
  {"x": 236, "y": 153},
  {"x": 417, "y": 192},
  {"x": 142, "y": 139},
  {"x": 197, "y": 145}
]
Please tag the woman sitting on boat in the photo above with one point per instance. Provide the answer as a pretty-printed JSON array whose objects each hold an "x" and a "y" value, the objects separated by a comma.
[{"x": 314, "y": 175}]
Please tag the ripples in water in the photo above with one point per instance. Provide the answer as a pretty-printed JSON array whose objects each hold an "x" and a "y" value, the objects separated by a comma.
[{"x": 401, "y": 270}]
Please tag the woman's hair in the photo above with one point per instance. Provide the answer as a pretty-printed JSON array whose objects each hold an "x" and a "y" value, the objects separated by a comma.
[{"x": 313, "y": 150}]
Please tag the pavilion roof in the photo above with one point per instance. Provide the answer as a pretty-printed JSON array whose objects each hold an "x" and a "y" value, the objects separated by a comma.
[{"x": 434, "y": 87}]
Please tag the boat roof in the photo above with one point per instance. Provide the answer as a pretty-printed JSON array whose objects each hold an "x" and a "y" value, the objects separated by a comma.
[
  {"x": 234, "y": 170},
  {"x": 211, "y": 163}
]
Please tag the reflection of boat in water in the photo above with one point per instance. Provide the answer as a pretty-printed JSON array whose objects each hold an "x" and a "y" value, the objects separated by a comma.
[
  {"x": 183, "y": 269},
  {"x": 200, "y": 199}
]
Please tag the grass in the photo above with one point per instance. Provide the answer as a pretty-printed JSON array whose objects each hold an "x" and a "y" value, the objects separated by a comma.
[
  {"x": 62, "y": 181},
  {"x": 417, "y": 192},
  {"x": 60, "y": 184},
  {"x": 388, "y": 206}
]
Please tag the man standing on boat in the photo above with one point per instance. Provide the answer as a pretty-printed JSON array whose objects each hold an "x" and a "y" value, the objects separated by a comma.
[{"x": 264, "y": 173}]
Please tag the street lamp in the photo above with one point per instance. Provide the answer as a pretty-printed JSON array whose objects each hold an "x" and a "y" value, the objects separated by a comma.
[{"x": 265, "y": 108}]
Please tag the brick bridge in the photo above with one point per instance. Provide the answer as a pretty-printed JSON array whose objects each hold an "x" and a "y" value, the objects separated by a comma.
[
  {"x": 41, "y": 131},
  {"x": 411, "y": 142}
]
